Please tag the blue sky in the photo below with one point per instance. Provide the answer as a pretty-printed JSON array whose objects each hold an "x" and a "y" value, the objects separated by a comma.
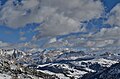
[
  {"x": 11, "y": 35},
  {"x": 110, "y": 4},
  {"x": 15, "y": 35}
]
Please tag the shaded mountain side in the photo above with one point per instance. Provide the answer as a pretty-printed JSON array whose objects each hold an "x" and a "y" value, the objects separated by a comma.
[{"x": 112, "y": 72}]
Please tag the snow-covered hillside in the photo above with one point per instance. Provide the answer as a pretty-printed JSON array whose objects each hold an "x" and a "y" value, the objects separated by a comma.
[{"x": 63, "y": 64}]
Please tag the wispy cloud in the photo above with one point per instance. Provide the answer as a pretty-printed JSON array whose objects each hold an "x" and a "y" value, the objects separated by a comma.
[
  {"x": 114, "y": 16},
  {"x": 3, "y": 44}
]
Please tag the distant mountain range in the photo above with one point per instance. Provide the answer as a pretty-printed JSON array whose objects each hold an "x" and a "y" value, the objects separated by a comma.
[{"x": 60, "y": 64}]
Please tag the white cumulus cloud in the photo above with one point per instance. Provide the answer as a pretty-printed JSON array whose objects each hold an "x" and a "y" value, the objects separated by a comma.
[{"x": 59, "y": 16}]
